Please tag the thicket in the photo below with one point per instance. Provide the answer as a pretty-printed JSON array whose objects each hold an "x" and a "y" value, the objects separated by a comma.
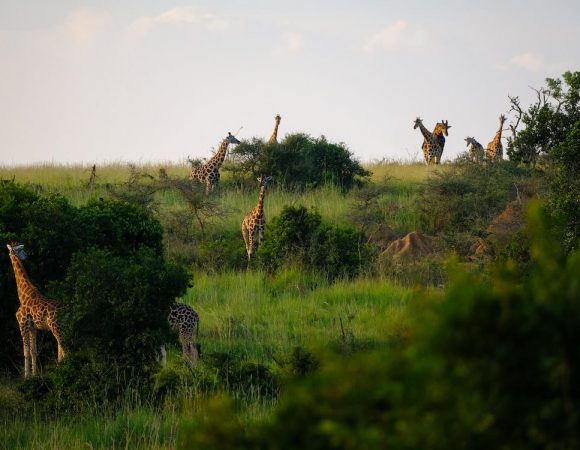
[
  {"x": 548, "y": 131},
  {"x": 489, "y": 365},
  {"x": 298, "y": 236},
  {"x": 299, "y": 161},
  {"x": 104, "y": 264}
]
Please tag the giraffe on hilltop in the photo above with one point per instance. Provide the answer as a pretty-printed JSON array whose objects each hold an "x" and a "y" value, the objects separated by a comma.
[
  {"x": 274, "y": 138},
  {"x": 209, "y": 173},
  {"x": 36, "y": 312},
  {"x": 431, "y": 147},
  {"x": 185, "y": 320},
  {"x": 254, "y": 223},
  {"x": 439, "y": 133},
  {"x": 494, "y": 150},
  {"x": 474, "y": 149}
]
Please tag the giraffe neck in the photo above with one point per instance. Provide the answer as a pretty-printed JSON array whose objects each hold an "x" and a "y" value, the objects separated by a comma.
[
  {"x": 425, "y": 132},
  {"x": 217, "y": 160},
  {"x": 22, "y": 280},
  {"x": 274, "y": 137},
  {"x": 260, "y": 206},
  {"x": 497, "y": 137}
]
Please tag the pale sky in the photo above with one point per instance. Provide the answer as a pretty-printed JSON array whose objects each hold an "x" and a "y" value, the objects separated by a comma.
[{"x": 150, "y": 80}]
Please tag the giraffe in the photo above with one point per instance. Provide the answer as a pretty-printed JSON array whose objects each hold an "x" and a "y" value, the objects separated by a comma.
[
  {"x": 183, "y": 319},
  {"x": 274, "y": 138},
  {"x": 253, "y": 224},
  {"x": 439, "y": 132},
  {"x": 209, "y": 173},
  {"x": 475, "y": 149},
  {"x": 431, "y": 147},
  {"x": 36, "y": 312},
  {"x": 494, "y": 150}
]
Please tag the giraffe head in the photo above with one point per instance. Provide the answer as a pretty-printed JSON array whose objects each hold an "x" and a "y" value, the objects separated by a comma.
[
  {"x": 277, "y": 118},
  {"x": 470, "y": 140},
  {"x": 264, "y": 180},
  {"x": 443, "y": 126},
  {"x": 502, "y": 119},
  {"x": 418, "y": 122},
  {"x": 232, "y": 139},
  {"x": 14, "y": 248}
]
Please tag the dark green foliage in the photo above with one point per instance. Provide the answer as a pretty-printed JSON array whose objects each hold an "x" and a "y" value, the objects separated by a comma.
[
  {"x": 466, "y": 196},
  {"x": 298, "y": 236},
  {"x": 490, "y": 365},
  {"x": 548, "y": 121},
  {"x": 220, "y": 252},
  {"x": 48, "y": 228},
  {"x": 299, "y": 161},
  {"x": 115, "y": 317},
  {"x": 245, "y": 378},
  {"x": 120, "y": 226},
  {"x": 565, "y": 198}
]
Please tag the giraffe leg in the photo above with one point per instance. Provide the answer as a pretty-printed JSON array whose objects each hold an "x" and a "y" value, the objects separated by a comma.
[
  {"x": 33, "y": 349},
  {"x": 25, "y": 333},
  {"x": 57, "y": 335},
  {"x": 163, "y": 352},
  {"x": 246, "y": 236},
  {"x": 250, "y": 245},
  {"x": 185, "y": 340}
]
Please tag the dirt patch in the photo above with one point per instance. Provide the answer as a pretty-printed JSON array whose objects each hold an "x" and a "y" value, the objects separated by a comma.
[{"x": 411, "y": 246}]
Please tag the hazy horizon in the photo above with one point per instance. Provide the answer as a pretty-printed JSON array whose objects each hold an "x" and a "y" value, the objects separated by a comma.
[{"x": 86, "y": 82}]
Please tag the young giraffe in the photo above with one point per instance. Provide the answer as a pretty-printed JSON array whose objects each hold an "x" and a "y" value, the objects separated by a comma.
[
  {"x": 274, "y": 138},
  {"x": 494, "y": 151},
  {"x": 209, "y": 173},
  {"x": 431, "y": 147},
  {"x": 254, "y": 223},
  {"x": 36, "y": 312},
  {"x": 474, "y": 149},
  {"x": 183, "y": 319},
  {"x": 439, "y": 133}
]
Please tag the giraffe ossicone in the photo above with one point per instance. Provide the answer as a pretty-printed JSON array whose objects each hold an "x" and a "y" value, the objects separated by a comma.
[{"x": 36, "y": 312}]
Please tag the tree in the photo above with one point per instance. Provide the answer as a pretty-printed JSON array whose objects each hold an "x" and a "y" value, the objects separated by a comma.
[
  {"x": 299, "y": 161},
  {"x": 546, "y": 122}
]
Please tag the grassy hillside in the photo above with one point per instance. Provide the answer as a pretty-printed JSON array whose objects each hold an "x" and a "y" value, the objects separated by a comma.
[{"x": 256, "y": 328}]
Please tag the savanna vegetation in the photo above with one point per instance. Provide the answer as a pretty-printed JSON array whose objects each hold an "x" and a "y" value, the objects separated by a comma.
[{"x": 344, "y": 331}]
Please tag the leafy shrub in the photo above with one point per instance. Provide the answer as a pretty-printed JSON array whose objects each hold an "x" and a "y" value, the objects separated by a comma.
[
  {"x": 116, "y": 309},
  {"x": 299, "y": 161},
  {"x": 298, "y": 236},
  {"x": 120, "y": 226},
  {"x": 466, "y": 196},
  {"x": 565, "y": 198}
]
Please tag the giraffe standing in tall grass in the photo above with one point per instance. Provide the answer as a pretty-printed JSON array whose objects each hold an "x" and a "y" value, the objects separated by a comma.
[{"x": 254, "y": 223}]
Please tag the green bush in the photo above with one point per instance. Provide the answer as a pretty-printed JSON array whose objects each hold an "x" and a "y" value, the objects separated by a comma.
[
  {"x": 298, "y": 236},
  {"x": 299, "y": 161},
  {"x": 565, "y": 198},
  {"x": 466, "y": 196},
  {"x": 490, "y": 365},
  {"x": 116, "y": 310}
]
